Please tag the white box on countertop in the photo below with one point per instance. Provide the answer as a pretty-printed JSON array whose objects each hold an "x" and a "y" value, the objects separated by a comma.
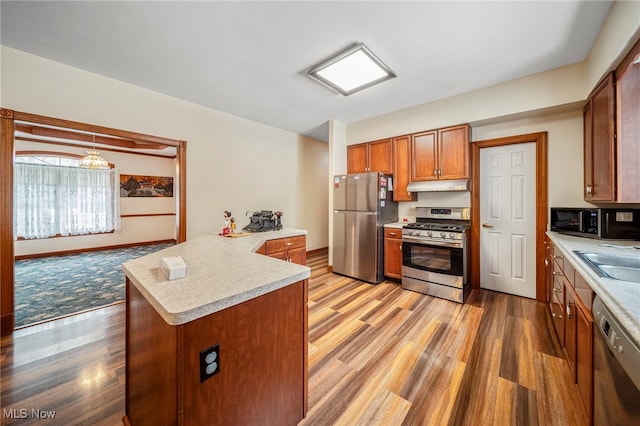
[{"x": 173, "y": 267}]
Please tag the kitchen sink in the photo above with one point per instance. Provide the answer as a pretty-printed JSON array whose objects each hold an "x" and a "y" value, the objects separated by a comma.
[{"x": 625, "y": 268}]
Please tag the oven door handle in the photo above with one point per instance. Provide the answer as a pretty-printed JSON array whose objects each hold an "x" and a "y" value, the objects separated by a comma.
[{"x": 431, "y": 243}]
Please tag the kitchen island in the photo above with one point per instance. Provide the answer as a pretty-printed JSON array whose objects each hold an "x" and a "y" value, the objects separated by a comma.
[{"x": 227, "y": 344}]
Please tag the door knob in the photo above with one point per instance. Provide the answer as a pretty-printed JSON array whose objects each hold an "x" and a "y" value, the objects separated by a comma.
[{"x": 486, "y": 225}]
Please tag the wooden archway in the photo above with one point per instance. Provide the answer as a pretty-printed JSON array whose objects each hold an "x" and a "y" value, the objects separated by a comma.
[{"x": 8, "y": 120}]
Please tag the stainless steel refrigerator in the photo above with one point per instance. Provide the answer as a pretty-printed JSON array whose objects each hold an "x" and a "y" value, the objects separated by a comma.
[{"x": 362, "y": 203}]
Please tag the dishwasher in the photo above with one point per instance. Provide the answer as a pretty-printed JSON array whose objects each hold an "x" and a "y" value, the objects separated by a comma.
[{"x": 616, "y": 371}]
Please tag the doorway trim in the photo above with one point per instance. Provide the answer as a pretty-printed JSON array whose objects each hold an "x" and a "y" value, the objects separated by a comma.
[
  {"x": 7, "y": 147},
  {"x": 540, "y": 139}
]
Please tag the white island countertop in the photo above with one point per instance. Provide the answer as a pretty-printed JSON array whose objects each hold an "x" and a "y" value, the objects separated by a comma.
[
  {"x": 622, "y": 298},
  {"x": 221, "y": 272}
]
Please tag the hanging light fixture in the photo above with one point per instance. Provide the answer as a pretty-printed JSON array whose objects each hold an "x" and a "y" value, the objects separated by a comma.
[{"x": 93, "y": 160}]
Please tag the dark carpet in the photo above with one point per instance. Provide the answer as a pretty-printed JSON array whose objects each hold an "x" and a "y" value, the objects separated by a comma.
[{"x": 52, "y": 287}]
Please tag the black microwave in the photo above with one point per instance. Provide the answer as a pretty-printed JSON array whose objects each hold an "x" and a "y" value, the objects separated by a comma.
[{"x": 609, "y": 224}]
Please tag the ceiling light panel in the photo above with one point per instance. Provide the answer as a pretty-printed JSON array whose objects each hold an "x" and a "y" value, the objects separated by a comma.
[{"x": 352, "y": 70}]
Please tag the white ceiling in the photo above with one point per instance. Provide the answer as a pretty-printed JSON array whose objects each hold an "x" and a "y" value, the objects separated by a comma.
[{"x": 249, "y": 58}]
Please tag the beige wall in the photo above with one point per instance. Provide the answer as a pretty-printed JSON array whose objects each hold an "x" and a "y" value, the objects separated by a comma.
[
  {"x": 551, "y": 101},
  {"x": 564, "y": 155},
  {"x": 566, "y": 88},
  {"x": 564, "y": 131},
  {"x": 619, "y": 32},
  {"x": 232, "y": 163},
  {"x": 539, "y": 92}
]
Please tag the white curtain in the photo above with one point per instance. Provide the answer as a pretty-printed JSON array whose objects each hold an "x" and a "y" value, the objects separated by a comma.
[{"x": 53, "y": 200}]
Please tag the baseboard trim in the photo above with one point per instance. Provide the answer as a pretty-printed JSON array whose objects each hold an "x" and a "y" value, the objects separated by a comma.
[
  {"x": 85, "y": 250},
  {"x": 315, "y": 252}
]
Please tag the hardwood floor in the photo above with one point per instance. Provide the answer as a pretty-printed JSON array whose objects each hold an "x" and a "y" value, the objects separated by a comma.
[
  {"x": 378, "y": 355},
  {"x": 73, "y": 367}
]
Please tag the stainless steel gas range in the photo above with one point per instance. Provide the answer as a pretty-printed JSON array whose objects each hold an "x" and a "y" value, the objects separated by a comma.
[{"x": 435, "y": 253}]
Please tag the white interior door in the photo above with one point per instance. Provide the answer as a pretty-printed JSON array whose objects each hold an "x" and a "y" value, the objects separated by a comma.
[{"x": 508, "y": 219}]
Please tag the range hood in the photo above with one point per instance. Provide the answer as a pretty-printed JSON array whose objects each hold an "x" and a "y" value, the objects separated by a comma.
[{"x": 439, "y": 185}]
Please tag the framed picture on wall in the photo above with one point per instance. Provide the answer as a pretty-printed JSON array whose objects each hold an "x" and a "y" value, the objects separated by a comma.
[{"x": 146, "y": 186}]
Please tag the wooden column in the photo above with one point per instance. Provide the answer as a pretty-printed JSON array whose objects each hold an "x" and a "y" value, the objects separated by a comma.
[
  {"x": 181, "y": 173},
  {"x": 7, "y": 318},
  {"x": 7, "y": 123}
]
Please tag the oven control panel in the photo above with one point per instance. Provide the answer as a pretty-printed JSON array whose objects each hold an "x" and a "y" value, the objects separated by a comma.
[
  {"x": 433, "y": 235},
  {"x": 452, "y": 213}
]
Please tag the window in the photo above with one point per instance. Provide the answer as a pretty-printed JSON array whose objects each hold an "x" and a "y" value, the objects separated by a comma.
[{"x": 53, "y": 196}]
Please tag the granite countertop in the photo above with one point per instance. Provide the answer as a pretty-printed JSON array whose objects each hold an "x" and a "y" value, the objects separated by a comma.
[
  {"x": 395, "y": 225},
  {"x": 221, "y": 272},
  {"x": 622, "y": 298}
]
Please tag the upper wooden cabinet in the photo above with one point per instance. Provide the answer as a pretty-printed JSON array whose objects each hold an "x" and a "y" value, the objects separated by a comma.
[
  {"x": 440, "y": 154},
  {"x": 432, "y": 155},
  {"x": 628, "y": 126},
  {"x": 402, "y": 169},
  {"x": 599, "y": 142},
  {"x": 612, "y": 135},
  {"x": 370, "y": 157},
  {"x": 357, "y": 158}
]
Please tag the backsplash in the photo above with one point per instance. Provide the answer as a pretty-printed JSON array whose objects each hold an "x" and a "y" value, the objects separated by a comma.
[{"x": 434, "y": 199}]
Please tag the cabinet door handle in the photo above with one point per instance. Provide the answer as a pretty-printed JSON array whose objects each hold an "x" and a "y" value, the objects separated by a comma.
[
  {"x": 557, "y": 290},
  {"x": 392, "y": 234},
  {"x": 546, "y": 262},
  {"x": 589, "y": 189},
  {"x": 569, "y": 316},
  {"x": 288, "y": 244},
  {"x": 435, "y": 172},
  {"x": 557, "y": 274},
  {"x": 556, "y": 315},
  {"x": 558, "y": 257}
]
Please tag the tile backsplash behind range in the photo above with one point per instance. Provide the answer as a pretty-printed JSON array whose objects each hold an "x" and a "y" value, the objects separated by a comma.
[{"x": 434, "y": 199}]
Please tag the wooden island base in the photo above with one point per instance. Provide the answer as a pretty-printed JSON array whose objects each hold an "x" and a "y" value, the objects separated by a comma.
[{"x": 263, "y": 363}]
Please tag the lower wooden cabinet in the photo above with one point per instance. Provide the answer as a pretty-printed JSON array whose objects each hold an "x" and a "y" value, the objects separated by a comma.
[
  {"x": 570, "y": 300},
  {"x": 557, "y": 304},
  {"x": 263, "y": 374},
  {"x": 584, "y": 358},
  {"x": 289, "y": 249},
  {"x": 578, "y": 346},
  {"x": 393, "y": 253},
  {"x": 570, "y": 328}
]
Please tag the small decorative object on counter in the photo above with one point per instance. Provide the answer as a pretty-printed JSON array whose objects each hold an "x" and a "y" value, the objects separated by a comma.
[
  {"x": 229, "y": 224},
  {"x": 173, "y": 267},
  {"x": 278, "y": 215},
  {"x": 264, "y": 220}
]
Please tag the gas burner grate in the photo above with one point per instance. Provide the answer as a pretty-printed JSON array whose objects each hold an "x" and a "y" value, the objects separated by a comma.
[{"x": 434, "y": 226}]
